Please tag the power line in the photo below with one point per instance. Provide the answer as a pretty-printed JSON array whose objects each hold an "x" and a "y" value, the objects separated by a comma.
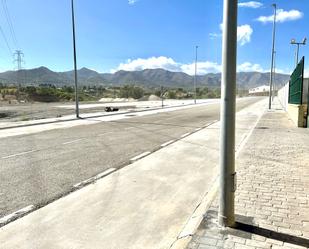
[
  {"x": 9, "y": 21},
  {"x": 6, "y": 41}
]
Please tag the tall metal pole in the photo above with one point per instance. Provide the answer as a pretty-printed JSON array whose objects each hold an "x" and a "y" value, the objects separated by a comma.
[
  {"x": 297, "y": 52},
  {"x": 226, "y": 215},
  {"x": 272, "y": 56},
  {"x": 196, "y": 47},
  {"x": 275, "y": 86},
  {"x": 75, "y": 64}
]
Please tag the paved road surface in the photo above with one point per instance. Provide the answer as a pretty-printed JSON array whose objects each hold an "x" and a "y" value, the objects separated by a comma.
[{"x": 38, "y": 168}]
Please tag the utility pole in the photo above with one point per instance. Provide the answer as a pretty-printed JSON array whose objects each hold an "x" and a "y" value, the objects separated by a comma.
[
  {"x": 274, "y": 77},
  {"x": 272, "y": 56},
  {"x": 226, "y": 214},
  {"x": 293, "y": 42},
  {"x": 75, "y": 64},
  {"x": 18, "y": 59},
  {"x": 196, "y": 47}
]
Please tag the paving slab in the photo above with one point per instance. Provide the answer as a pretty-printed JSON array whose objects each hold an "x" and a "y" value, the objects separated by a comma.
[{"x": 272, "y": 201}]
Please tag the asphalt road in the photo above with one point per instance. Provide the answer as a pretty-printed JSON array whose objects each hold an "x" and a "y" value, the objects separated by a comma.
[{"x": 38, "y": 168}]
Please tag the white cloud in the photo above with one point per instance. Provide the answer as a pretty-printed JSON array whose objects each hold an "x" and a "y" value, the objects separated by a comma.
[
  {"x": 203, "y": 67},
  {"x": 250, "y": 67},
  {"x": 214, "y": 35},
  {"x": 150, "y": 63},
  {"x": 168, "y": 64},
  {"x": 132, "y": 2},
  {"x": 251, "y": 4},
  {"x": 282, "y": 16},
  {"x": 244, "y": 33}
]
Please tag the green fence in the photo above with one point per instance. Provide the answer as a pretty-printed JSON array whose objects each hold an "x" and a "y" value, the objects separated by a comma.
[{"x": 296, "y": 84}]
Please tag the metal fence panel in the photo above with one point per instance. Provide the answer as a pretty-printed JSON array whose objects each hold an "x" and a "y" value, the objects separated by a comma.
[{"x": 296, "y": 84}]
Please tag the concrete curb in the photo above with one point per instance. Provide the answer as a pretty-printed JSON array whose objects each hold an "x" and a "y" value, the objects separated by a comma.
[{"x": 17, "y": 214}]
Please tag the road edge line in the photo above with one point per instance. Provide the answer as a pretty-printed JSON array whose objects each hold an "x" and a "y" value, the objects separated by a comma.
[
  {"x": 15, "y": 215},
  {"x": 140, "y": 156}
]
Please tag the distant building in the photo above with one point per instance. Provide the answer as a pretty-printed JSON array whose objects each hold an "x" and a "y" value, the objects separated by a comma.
[{"x": 259, "y": 91}]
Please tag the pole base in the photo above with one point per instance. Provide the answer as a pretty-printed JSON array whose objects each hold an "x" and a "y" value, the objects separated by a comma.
[{"x": 226, "y": 222}]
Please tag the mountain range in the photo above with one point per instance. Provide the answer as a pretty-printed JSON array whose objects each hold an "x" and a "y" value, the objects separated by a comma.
[{"x": 147, "y": 78}]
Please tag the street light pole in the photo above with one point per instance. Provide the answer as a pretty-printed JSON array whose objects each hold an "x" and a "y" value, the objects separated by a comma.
[
  {"x": 196, "y": 47},
  {"x": 274, "y": 86},
  {"x": 293, "y": 42},
  {"x": 272, "y": 56},
  {"x": 226, "y": 214},
  {"x": 75, "y": 64},
  {"x": 297, "y": 51}
]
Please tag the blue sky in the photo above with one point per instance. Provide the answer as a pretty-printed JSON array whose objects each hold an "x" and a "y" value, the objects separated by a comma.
[{"x": 138, "y": 34}]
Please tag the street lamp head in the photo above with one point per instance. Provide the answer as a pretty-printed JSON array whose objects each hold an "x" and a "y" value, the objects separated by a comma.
[
  {"x": 304, "y": 41},
  {"x": 293, "y": 41},
  {"x": 274, "y": 5}
]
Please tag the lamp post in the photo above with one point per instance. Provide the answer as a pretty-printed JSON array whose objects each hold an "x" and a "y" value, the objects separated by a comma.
[
  {"x": 226, "y": 214},
  {"x": 272, "y": 55},
  {"x": 196, "y": 47},
  {"x": 293, "y": 42},
  {"x": 75, "y": 64}
]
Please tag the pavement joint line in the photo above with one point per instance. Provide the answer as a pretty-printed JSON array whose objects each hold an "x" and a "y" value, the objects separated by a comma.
[
  {"x": 19, "y": 154},
  {"x": 17, "y": 214},
  {"x": 139, "y": 156},
  {"x": 167, "y": 143},
  {"x": 189, "y": 229},
  {"x": 246, "y": 137},
  {"x": 72, "y": 141},
  {"x": 198, "y": 129},
  {"x": 185, "y": 135}
]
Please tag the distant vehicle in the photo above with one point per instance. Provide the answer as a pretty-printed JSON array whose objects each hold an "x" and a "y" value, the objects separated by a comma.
[{"x": 111, "y": 109}]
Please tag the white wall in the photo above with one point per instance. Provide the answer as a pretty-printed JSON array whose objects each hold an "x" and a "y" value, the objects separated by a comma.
[{"x": 283, "y": 96}]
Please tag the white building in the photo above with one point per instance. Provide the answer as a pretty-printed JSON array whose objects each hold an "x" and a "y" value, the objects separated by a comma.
[{"x": 260, "y": 90}]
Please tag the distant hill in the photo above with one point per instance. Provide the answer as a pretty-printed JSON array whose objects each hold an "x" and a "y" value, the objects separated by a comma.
[{"x": 146, "y": 78}]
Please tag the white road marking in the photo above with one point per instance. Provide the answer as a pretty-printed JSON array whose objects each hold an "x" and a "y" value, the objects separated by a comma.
[
  {"x": 129, "y": 128},
  {"x": 140, "y": 156},
  {"x": 105, "y": 173},
  {"x": 14, "y": 215},
  {"x": 83, "y": 182},
  {"x": 92, "y": 179},
  {"x": 186, "y": 134},
  {"x": 73, "y": 141},
  {"x": 19, "y": 154},
  {"x": 167, "y": 143}
]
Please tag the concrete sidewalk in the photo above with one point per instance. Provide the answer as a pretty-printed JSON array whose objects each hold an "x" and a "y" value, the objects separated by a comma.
[
  {"x": 272, "y": 198},
  {"x": 148, "y": 204}
]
